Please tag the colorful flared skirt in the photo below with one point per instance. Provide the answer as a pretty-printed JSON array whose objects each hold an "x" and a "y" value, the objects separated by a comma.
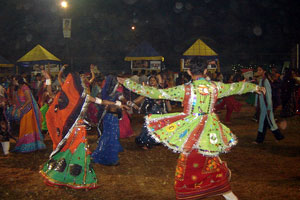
[
  {"x": 71, "y": 166},
  {"x": 30, "y": 135},
  {"x": 198, "y": 176}
]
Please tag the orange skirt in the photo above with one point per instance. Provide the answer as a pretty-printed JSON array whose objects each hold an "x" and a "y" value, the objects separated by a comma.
[{"x": 30, "y": 135}]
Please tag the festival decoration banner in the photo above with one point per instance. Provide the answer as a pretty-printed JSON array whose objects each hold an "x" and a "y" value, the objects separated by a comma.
[{"x": 67, "y": 27}]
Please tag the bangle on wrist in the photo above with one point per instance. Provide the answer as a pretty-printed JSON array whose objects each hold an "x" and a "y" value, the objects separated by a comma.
[
  {"x": 48, "y": 81},
  {"x": 130, "y": 103},
  {"x": 118, "y": 103},
  {"x": 133, "y": 104},
  {"x": 98, "y": 101},
  {"x": 121, "y": 97}
]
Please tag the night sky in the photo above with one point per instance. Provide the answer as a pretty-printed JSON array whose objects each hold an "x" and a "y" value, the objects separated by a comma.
[{"x": 240, "y": 31}]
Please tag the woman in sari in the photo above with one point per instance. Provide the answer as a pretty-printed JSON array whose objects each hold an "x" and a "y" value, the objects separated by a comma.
[
  {"x": 70, "y": 164},
  {"x": 30, "y": 134},
  {"x": 109, "y": 146},
  {"x": 44, "y": 100}
]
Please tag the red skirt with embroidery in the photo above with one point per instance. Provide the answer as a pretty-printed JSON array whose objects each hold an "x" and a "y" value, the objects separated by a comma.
[{"x": 198, "y": 176}]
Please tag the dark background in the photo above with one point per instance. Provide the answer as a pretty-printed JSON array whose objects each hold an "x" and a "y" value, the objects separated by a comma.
[{"x": 240, "y": 31}]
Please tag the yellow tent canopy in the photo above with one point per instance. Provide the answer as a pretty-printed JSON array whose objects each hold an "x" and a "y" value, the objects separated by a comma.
[
  {"x": 199, "y": 48},
  {"x": 38, "y": 53}
]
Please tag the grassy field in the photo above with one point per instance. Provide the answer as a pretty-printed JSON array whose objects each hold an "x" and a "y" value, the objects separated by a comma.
[{"x": 269, "y": 171}]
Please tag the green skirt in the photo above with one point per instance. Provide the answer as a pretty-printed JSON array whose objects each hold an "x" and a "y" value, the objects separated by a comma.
[
  {"x": 71, "y": 166},
  {"x": 44, "y": 110}
]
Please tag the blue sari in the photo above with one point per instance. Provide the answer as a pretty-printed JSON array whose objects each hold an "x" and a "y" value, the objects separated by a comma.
[{"x": 107, "y": 151}]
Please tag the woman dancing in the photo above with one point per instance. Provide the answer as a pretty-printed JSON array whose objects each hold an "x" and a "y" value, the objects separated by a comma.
[
  {"x": 30, "y": 133},
  {"x": 196, "y": 133},
  {"x": 69, "y": 164},
  {"x": 107, "y": 151}
]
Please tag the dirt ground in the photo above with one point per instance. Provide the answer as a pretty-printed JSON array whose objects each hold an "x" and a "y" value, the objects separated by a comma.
[{"x": 269, "y": 171}]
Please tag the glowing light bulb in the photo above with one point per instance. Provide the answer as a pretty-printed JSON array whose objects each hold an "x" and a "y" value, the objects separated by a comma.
[{"x": 64, "y": 4}]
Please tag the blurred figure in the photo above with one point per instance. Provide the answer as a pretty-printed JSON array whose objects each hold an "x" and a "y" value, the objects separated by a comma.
[
  {"x": 219, "y": 77},
  {"x": 94, "y": 113},
  {"x": 297, "y": 79},
  {"x": 231, "y": 104},
  {"x": 288, "y": 89},
  {"x": 135, "y": 76},
  {"x": 150, "y": 106},
  {"x": 180, "y": 79},
  {"x": 276, "y": 82},
  {"x": 30, "y": 134},
  {"x": 143, "y": 78},
  {"x": 4, "y": 123},
  {"x": 265, "y": 109},
  {"x": 125, "y": 122}
]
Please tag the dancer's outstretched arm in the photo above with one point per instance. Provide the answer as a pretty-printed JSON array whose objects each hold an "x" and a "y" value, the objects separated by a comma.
[
  {"x": 174, "y": 93},
  {"x": 106, "y": 102},
  {"x": 237, "y": 88}
]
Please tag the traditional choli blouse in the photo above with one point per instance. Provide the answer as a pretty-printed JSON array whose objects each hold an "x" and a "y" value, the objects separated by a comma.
[{"x": 197, "y": 127}]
